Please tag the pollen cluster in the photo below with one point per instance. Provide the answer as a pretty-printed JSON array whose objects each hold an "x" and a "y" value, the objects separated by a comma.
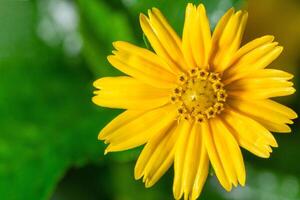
[{"x": 199, "y": 95}]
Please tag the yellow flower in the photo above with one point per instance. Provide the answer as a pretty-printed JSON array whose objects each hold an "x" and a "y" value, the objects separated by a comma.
[{"x": 195, "y": 100}]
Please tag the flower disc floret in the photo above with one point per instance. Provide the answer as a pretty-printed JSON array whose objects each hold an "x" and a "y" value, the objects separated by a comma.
[{"x": 199, "y": 95}]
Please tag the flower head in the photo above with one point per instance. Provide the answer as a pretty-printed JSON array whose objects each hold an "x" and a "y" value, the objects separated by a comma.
[{"x": 195, "y": 100}]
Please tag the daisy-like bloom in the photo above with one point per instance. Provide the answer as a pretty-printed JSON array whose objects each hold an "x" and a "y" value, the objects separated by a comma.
[{"x": 195, "y": 100}]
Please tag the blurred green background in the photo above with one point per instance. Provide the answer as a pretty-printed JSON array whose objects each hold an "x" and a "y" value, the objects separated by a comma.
[{"x": 50, "y": 53}]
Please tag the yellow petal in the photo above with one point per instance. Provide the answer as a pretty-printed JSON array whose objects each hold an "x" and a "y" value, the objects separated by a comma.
[
  {"x": 128, "y": 93},
  {"x": 191, "y": 164},
  {"x": 221, "y": 26},
  {"x": 254, "y": 59},
  {"x": 214, "y": 156},
  {"x": 165, "y": 33},
  {"x": 252, "y": 45},
  {"x": 260, "y": 111},
  {"x": 164, "y": 24},
  {"x": 157, "y": 156},
  {"x": 261, "y": 93},
  {"x": 150, "y": 58},
  {"x": 259, "y": 58},
  {"x": 163, "y": 39},
  {"x": 275, "y": 127},
  {"x": 229, "y": 152},
  {"x": 270, "y": 73},
  {"x": 136, "y": 62},
  {"x": 258, "y": 83},
  {"x": 183, "y": 129},
  {"x": 190, "y": 14},
  {"x": 226, "y": 39},
  {"x": 261, "y": 84},
  {"x": 202, "y": 172},
  {"x": 196, "y": 40},
  {"x": 250, "y": 134},
  {"x": 277, "y": 107},
  {"x": 262, "y": 131},
  {"x": 121, "y": 120},
  {"x": 138, "y": 129}
]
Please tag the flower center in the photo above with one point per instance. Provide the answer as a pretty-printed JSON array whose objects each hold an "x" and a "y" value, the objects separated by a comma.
[{"x": 200, "y": 95}]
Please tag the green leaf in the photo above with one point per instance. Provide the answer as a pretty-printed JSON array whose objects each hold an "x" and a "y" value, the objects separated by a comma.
[
  {"x": 100, "y": 26},
  {"x": 47, "y": 120}
]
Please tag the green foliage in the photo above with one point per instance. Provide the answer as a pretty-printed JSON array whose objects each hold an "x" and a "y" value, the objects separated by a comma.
[
  {"x": 100, "y": 26},
  {"x": 48, "y": 122}
]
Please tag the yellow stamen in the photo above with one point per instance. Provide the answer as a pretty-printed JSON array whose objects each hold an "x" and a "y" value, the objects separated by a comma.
[{"x": 199, "y": 96}]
